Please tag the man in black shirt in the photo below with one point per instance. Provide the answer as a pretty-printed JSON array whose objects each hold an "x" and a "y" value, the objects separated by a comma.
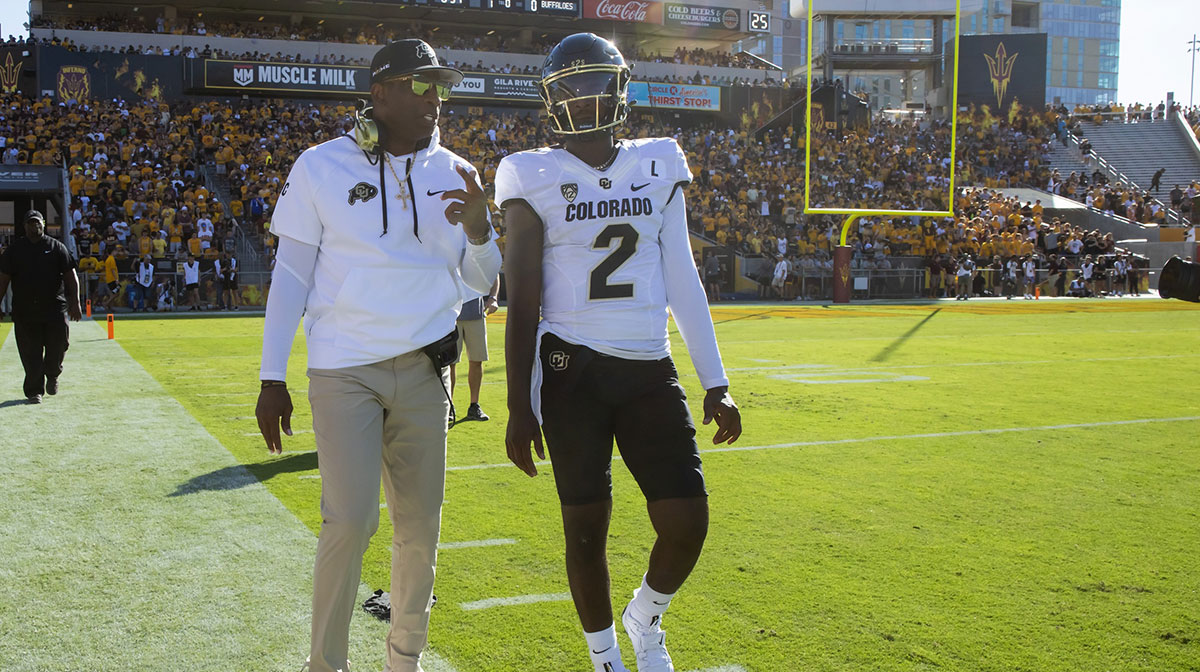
[{"x": 38, "y": 267}]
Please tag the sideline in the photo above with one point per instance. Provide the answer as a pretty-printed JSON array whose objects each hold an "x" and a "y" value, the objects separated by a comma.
[{"x": 93, "y": 512}]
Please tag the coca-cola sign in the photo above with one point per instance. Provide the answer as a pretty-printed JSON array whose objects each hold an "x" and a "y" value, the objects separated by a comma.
[{"x": 636, "y": 11}]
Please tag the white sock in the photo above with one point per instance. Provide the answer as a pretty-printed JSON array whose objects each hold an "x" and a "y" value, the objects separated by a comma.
[
  {"x": 603, "y": 649},
  {"x": 648, "y": 603}
]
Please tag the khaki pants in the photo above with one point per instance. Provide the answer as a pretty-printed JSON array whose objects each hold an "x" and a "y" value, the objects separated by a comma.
[{"x": 387, "y": 418}]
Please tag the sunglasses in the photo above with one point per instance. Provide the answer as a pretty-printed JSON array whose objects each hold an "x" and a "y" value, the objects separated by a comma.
[{"x": 421, "y": 84}]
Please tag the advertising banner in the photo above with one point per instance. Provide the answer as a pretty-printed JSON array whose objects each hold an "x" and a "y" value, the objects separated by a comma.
[
  {"x": 996, "y": 70},
  {"x": 489, "y": 86},
  {"x": 702, "y": 16},
  {"x": 255, "y": 77},
  {"x": 675, "y": 96},
  {"x": 635, "y": 11},
  {"x": 72, "y": 75},
  {"x": 28, "y": 179}
]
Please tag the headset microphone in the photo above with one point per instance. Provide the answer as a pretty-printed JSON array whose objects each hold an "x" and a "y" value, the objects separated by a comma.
[{"x": 366, "y": 132}]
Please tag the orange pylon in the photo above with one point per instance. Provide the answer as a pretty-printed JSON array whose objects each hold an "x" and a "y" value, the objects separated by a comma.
[{"x": 111, "y": 336}]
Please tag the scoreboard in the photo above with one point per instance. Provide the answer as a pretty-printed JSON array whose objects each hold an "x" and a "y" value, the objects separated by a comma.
[{"x": 567, "y": 8}]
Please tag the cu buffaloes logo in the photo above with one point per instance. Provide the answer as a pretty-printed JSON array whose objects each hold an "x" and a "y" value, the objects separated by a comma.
[
  {"x": 559, "y": 360},
  {"x": 569, "y": 191},
  {"x": 362, "y": 192}
]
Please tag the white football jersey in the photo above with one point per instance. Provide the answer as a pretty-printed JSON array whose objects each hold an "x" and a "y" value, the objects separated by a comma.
[{"x": 603, "y": 269}]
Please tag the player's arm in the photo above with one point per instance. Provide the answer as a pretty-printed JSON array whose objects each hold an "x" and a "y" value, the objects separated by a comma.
[
  {"x": 294, "y": 266},
  {"x": 523, "y": 276},
  {"x": 689, "y": 305}
]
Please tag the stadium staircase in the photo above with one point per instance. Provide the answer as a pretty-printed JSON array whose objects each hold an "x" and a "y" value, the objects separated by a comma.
[
  {"x": 1132, "y": 153},
  {"x": 249, "y": 254}
]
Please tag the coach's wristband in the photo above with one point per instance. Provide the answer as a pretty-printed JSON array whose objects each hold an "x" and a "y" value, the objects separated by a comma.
[{"x": 273, "y": 383}]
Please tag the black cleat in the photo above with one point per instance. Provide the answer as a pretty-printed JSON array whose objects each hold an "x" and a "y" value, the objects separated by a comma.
[
  {"x": 52, "y": 386},
  {"x": 474, "y": 412},
  {"x": 35, "y": 399}
]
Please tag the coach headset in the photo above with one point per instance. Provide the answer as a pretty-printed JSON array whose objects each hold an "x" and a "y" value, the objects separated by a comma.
[{"x": 396, "y": 59}]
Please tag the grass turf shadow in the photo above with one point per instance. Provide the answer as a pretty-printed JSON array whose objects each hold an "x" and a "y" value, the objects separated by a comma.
[{"x": 239, "y": 476}]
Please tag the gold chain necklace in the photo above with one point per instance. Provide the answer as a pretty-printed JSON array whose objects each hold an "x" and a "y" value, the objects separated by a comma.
[{"x": 403, "y": 196}]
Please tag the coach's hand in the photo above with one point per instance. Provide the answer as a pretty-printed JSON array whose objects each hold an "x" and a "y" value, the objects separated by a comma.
[
  {"x": 719, "y": 406},
  {"x": 468, "y": 206},
  {"x": 522, "y": 430},
  {"x": 273, "y": 412}
]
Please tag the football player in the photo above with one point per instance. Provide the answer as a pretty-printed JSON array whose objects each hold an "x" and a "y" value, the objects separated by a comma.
[{"x": 598, "y": 247}]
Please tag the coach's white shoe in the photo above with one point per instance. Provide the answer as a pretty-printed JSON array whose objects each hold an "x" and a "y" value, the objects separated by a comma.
[{"x": 649, "y": 643}]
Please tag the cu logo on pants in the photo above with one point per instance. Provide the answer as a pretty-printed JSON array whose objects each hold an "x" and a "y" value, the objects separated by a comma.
[{"x": 558, "y": 360}]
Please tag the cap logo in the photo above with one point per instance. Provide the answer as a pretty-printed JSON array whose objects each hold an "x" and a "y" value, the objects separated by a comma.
[{"x": 425, "y": 52}]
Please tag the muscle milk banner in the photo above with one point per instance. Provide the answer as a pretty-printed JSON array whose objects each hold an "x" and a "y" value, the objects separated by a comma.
[
  {"x": 257, "y": 77},
  {"x": 995, "y": 70},
  {"x": 675, "y": 96}
]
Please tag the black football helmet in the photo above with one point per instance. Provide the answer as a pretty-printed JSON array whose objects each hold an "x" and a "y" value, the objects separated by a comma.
[{"x": 585, "y": 67}]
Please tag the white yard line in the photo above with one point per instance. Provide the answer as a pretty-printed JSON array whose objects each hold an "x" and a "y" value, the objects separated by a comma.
[
  {"x": 896, "y": 437},
  {"x": 1022, "y": 362},
  {"x": 479, "y": 543},
  {"x": 513, "y": 601}
]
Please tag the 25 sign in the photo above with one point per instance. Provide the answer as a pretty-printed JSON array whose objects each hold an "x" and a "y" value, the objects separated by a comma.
[{"x": 759, "y": 22}]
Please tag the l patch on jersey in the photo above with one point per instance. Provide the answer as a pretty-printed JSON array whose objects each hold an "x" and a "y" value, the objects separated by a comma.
[
  {"x": 569, "y": 191},
  {"x": 363, "y": 191}
]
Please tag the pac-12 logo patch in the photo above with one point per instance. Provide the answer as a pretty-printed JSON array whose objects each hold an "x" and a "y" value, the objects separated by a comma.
[
  {"x": 362, "y": 192},
  {"x": 569, "y": 191},
  {"x": 559, "y": 360}
]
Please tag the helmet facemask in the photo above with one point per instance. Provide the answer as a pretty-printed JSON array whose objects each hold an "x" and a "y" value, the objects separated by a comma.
[{"x": 604, "y": 85}]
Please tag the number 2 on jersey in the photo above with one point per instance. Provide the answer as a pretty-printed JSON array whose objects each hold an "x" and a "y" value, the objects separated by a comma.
[{"x": 598, "y": 287}]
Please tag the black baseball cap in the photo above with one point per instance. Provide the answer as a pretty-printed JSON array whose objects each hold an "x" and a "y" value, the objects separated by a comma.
[
  {"x": 408, "y": 57},
  {"x": 34, "y": 214}
]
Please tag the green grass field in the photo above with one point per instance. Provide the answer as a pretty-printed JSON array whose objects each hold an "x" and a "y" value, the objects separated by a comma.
[{"x": 982, "y": 486}]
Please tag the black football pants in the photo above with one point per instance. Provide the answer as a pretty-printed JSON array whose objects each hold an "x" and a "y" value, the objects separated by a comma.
[{"x": 41, "y": 345}]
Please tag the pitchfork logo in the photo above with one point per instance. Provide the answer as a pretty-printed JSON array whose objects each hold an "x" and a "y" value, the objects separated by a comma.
[
  {"x": 243, "y": 75},
  {"x": 8, "y": 74},
  {"x": 1001, "y": 68}
]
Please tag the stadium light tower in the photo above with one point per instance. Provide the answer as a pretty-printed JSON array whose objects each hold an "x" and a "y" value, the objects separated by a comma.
[{"x": 1194, "y": 44}]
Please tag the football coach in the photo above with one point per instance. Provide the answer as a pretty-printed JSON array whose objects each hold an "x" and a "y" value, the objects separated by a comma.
[
  {"x": 379, "y": 236},
  {"x": 38, "y": 267}
]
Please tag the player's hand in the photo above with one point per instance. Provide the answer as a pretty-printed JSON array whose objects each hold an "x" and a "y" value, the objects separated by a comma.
[
  {"x": 74, "y": 312},
  {"x": 274, "y": 411},
  {"x": 490, "y": 305},
  {"x": 468, "y": 206},
  {"x": 522, "y": 430},
  {"x": 719, "y": 406}
]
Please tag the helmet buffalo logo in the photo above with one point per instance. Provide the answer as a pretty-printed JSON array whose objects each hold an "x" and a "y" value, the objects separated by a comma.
[
  {"x": 362, "y": 192},
  {"x": 569, "y": 191}
]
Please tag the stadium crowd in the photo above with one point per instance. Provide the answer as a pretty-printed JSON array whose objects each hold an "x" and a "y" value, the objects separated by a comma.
[{"x": 139, "y": 188}]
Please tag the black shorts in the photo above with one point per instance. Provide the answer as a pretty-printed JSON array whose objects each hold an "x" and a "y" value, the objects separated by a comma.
[
  {"x": 588, "y": 399},
  {"x": 191, "y": 286},
  {"x": 231, "y": 285}
]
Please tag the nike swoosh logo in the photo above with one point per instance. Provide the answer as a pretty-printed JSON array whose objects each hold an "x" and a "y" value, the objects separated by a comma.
[
  {"x": 661, "y": 603},
  {"x": 638, "y": 187},
  {"x": 435, "y": 193},
  {"x": 600, "y": 652}
]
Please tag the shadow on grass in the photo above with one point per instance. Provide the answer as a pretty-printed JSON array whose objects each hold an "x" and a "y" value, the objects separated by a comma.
[
  {"x": 14, "y": 402},
  {"x": 892, "y": 347},
  {"x": 241, "y": 475}
]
